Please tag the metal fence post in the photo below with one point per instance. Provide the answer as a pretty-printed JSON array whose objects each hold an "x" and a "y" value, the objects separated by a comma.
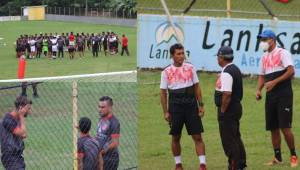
[
  {"x": 55, "y": 10},
  {"x": 228, "y": 8},
  {"x": 74, "y": 10}
]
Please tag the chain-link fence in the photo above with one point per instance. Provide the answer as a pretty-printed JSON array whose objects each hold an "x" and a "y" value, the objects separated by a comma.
[
  {"x": 225, "y": 8},
  {"x": 93, "y": 12},
  {"x": 58, "y": 104}
]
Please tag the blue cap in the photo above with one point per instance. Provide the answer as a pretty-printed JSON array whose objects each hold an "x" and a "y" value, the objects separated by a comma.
[
  {"x": 267, "y": 34},
  {"x": 225, "y": 51}
]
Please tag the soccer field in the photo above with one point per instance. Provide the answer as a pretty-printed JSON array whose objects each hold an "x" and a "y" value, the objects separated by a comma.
[
  {"x": 49, "y": 142},
  {"x": 42, "y": 67},
  {"x": 154, "y": 141}
]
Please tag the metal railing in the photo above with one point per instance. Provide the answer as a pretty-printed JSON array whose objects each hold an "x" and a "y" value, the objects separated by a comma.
[
  {"x": 92, "y": 12},
  {"x": 225, "y": 8}
]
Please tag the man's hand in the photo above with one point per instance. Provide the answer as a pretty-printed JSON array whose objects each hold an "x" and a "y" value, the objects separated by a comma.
[
  {"x": 258, "y": 95},
  {"x": 22, "y": 112},
  {"x": 201, "y": 111},
  {"x": 102, "y": 152},
  {"x": 270, "y": 85},
  {"x": 167, "y": 116}
]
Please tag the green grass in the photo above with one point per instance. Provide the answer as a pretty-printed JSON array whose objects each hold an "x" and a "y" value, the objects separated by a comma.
[
  {"x": 278, "y": 9},
  {"x": 154, "y": 141},
  {"x": 46, "y": 67},
  {"x": 49, "y": 141}
]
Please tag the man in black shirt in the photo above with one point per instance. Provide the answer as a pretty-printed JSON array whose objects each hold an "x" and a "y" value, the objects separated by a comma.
[
  {"x": 228, "y": 96},
  {"x": 88, "y": 148},
  {"x": 12, "y": 133},
  {"x": 95, "y": 45},
  {"x": 60, "y": 45}
]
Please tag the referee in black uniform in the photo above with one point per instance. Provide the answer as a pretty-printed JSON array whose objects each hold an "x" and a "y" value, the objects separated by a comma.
[{"x": 228, "y": 96}]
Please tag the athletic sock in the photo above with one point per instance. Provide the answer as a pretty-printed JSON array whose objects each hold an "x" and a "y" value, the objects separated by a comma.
[
  {"x": 277, "y": 153},
  {"x": 293, "y": 152},
  {"x": 177, "y": 159},
  {"x": 202, "y": 159}
]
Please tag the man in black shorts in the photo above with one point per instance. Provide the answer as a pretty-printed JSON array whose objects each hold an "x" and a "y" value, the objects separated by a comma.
[
  {"x": 105, "y": 42},
  {"x": 80, "y": 46},
  {"x": 12, "y": 133},
  {"x": 228, "y": 96},
  {"x": 184, "y": 105},
  {"x": 60, "y": 46},
  {"x": 39, "y": 42},
  {"x": 276, "y": 73},
  {"x": 88, "y": 148}
]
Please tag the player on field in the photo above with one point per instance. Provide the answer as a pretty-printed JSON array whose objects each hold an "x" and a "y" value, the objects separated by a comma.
[
  {"x": 32, "y": 43},
  {"x": 54, "y": 46},
  {"x": 80, "y": 45},
  {"x": 71, "y": 47},
  {"x": 45, "y": 45},
  {"x": 95, "y": 45},
  {"x": 39, "y": 42},
  {"x": 182, "y": 104},
  {"x": 124, "y": 45},
  {"x": 276, "y": 73},
  {"x": 60, "y": 45},
  {"x": 105, "y": 42}
]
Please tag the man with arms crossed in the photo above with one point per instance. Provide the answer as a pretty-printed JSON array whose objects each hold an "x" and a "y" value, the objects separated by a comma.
[
  {"x": 179, "y": 82},
  {"x": 276, "y": 73}
]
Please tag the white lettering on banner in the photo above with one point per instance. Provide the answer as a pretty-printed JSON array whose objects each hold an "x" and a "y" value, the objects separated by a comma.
[{"x": 202, "y": 38}]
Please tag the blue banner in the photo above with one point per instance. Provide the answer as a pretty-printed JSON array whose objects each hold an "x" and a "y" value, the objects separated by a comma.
[{"x": 202, "y": 37}]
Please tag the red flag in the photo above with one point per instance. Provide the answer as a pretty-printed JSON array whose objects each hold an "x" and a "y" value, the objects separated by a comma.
[{"x": 283, "y": 1}]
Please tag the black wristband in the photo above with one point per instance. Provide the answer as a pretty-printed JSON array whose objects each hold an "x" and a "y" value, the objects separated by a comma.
[{"x": 200, "y": 103}]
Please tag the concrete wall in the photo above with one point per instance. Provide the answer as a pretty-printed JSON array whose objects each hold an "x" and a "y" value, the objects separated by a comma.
[
  {"x": 10, "y": 18},
  {"x": 95, "y": 20}
]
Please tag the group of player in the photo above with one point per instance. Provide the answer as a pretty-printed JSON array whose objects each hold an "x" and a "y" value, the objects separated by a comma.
[{"x": 53, "y": 45}]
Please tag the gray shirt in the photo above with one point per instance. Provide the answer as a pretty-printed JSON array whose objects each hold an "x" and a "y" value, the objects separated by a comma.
[
  {"x": 89, "y": 147},
  {"x": 12, "y": 146},
  {"x": 108, "y": 128}
]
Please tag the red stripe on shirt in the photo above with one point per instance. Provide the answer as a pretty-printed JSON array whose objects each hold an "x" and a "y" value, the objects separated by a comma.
[{"x": 115, "y": 135}]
